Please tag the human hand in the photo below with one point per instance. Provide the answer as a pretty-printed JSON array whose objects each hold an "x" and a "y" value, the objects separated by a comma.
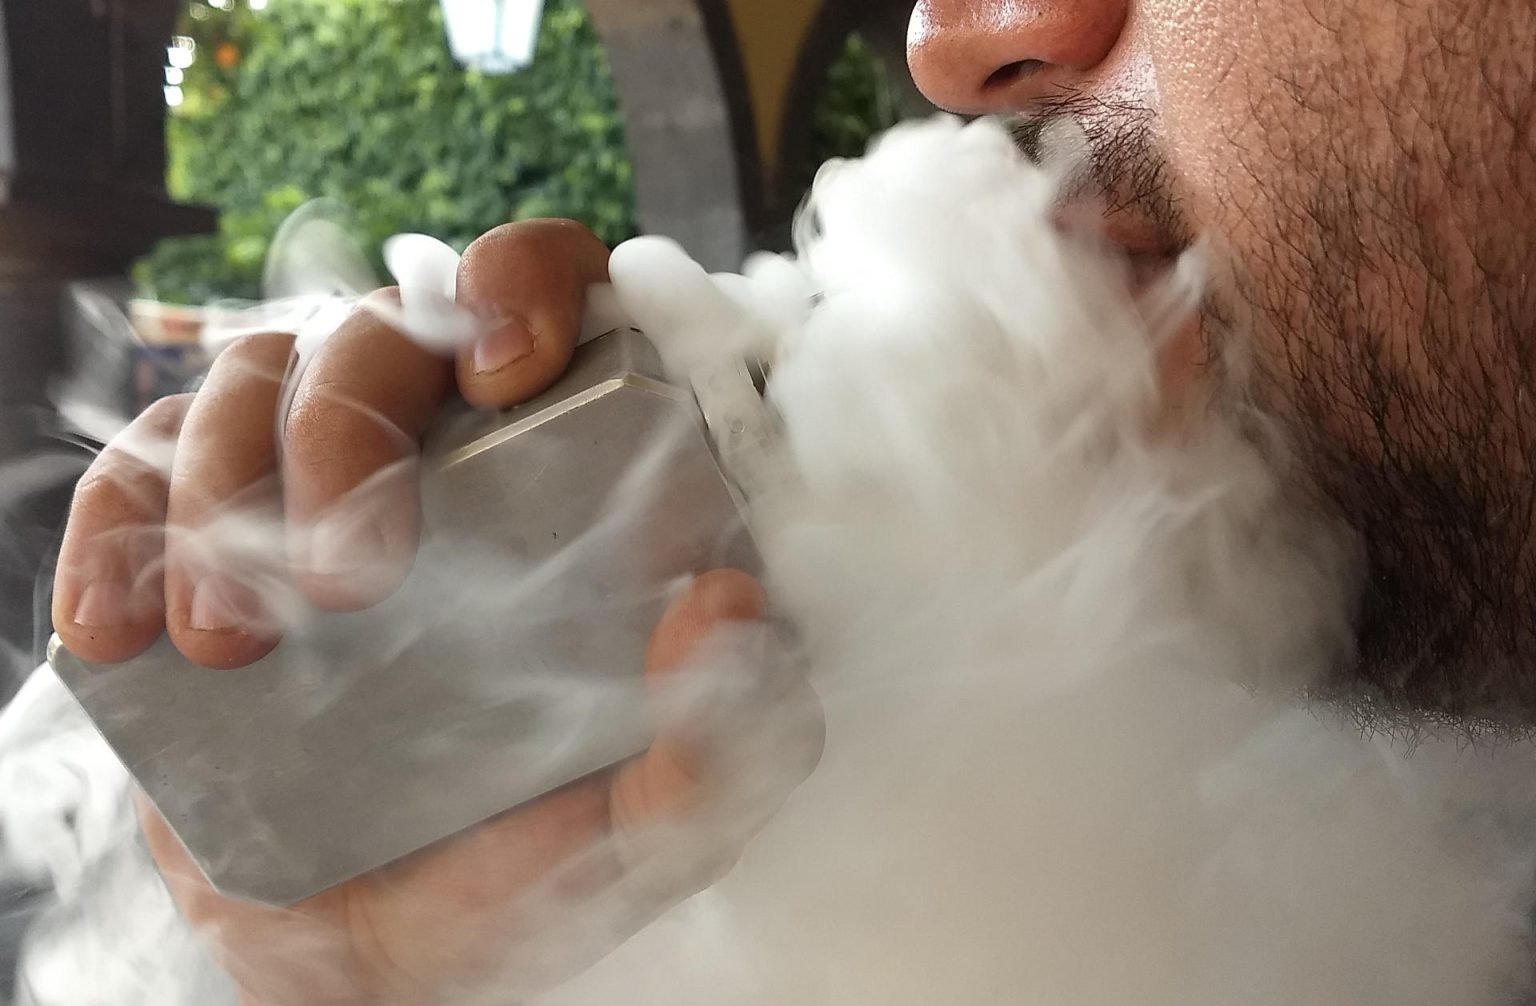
[
  {"x": 171, "y": 527},
  {"x": 487, "y": 915},
  {"x": 136, "y": 560}
]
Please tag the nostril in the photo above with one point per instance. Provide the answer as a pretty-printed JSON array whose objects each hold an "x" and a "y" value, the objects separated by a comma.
[{"x": 1014, "y": 72}]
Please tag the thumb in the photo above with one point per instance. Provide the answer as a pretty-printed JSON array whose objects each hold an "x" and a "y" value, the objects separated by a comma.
[{"x": 670, "y": 774}]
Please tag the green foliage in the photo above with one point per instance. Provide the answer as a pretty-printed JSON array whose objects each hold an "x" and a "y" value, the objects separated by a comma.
[
  {"x": 858, "y": 101},
  {"x": 361, "y": 101}
]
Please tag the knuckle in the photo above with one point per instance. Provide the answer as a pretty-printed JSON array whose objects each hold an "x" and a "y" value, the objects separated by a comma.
[
  {"x": 256, "y": 344},
  {"x": 115, "y": 490},
  {"x": 136, "y": 465},
  {"x": 263, "y": 354},
  {"x": 127, "y": 480},
  {"x": 328, "y": 424},
  {"x": 540, "y": 234},
  {"x": 365, "y": 311},
  {"x": 494, "y": 236},
  {"x": 163, "y": 417},
  {"x": 562, "y": 228},
  {"x": 376, "y": 316},
  {"x": 143, "y": 451}
]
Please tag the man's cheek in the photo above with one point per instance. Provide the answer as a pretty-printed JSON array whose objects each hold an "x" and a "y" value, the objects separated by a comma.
[{"x": 1234, "y": 134}]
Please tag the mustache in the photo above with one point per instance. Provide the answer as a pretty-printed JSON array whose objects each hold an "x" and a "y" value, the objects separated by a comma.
[{"x": 1120, "y": 164}]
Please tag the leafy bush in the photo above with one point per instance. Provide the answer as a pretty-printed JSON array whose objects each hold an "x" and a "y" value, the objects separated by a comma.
[
  {"x": 361, "y": 101},
  {"x": 857, "y": 101}
]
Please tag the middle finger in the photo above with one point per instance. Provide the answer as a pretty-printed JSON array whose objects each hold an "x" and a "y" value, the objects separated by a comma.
[{"x": 350, "y": 460}]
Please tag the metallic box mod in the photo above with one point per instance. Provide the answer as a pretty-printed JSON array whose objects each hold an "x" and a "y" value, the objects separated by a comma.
[{"x": 508, "y": 664}]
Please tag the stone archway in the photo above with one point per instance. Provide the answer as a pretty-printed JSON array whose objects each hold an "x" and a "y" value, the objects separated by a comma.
[
  {"x": 688, "y": 122},
  {"x": 717, "y": 98},
  {"x": 715, "y": 95}
]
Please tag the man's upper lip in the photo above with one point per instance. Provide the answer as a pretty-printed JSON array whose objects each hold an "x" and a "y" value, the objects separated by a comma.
[
  {"x": 1132, "y": 233},
  {"x": 1138, "y": 239}
]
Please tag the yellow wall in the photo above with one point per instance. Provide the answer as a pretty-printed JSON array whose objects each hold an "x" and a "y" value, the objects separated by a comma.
[{"x": 769, "y": 34}]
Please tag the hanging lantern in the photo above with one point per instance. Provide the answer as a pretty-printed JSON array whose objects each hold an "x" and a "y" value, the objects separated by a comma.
[{"x": 493, "y": 36}]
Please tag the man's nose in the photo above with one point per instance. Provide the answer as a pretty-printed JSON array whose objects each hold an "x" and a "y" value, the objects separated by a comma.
[{"x": 981, "y": 56}]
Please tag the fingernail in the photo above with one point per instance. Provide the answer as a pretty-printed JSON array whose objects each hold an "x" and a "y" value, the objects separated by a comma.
[
  {"x": 507, "y": 344},
  {"x": 342, "y": 545},
  {"x": 102, "y": 605},
  {"x": 220, "y": 605}
]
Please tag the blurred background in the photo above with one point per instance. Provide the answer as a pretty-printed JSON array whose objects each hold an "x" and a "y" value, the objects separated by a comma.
[{"x": 150, "y": 149}]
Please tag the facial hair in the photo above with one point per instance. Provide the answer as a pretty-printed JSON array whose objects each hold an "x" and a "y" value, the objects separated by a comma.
[{"x": 1422, "y": 450}]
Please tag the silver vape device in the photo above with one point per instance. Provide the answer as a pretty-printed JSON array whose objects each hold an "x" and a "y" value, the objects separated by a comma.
[{"x": 508, "y": 664}]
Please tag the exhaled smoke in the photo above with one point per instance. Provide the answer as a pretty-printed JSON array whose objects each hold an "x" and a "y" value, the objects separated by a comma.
[
  {"x": 1057, "y": 654},
  {"x": 1056, "y": 642}
]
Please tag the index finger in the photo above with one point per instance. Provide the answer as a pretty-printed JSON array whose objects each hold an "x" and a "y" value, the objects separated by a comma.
[{"x": 530, "y": 281}]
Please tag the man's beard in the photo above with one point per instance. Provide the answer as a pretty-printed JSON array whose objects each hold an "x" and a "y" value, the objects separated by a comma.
[{"x": 1430, "y": 466}]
